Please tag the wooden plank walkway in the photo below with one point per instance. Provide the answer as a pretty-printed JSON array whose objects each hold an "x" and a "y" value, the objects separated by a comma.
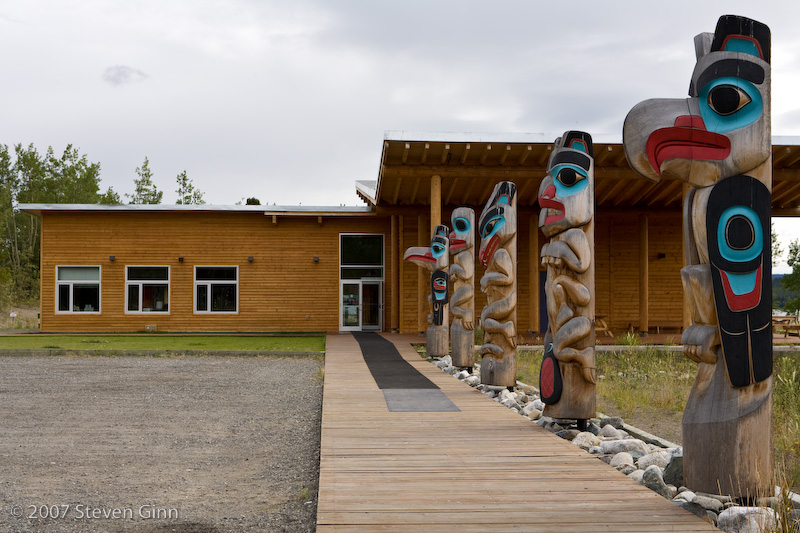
[{"x": 481, "y": 469}]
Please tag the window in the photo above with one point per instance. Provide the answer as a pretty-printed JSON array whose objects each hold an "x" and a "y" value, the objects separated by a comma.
[
  {"x": 147, "y": 289},
  {"x": 78, "y": 289},
  {"x": 215, "y": 289},
  {"x": 361, "y": 256}
]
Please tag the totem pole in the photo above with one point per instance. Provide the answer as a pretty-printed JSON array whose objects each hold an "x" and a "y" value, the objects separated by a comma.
[
  {"x": 462, "y": 275},
  {"x": 566, "y": 198},
  {"x": 435, "y": 259},
  {"x": 498, "y": 230},
  {"x": 719, "y": 142}
]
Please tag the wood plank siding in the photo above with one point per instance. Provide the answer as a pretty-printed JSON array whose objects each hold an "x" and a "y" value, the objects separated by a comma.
[{"x": 283, "y": 289}]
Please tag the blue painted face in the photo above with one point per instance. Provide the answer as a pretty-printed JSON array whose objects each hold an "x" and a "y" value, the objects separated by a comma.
[
  {"x": 730, "y": 103},
  {"x": 740, "y": 238},
  {"x": 461, "y": 225},
  {"x": 438, "y": 249},
  {"x": 569, "y": 179}
]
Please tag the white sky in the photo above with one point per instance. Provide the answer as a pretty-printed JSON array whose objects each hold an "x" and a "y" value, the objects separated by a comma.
[{"x": 288, "y": 100}]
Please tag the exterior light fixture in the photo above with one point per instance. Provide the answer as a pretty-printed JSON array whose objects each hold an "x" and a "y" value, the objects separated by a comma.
[
  {"x": 250, "y": 258},
  {"x": 112, "y": 258},
  {"x": 180, "y": 260},
  {"x": 316, "y": 259}
]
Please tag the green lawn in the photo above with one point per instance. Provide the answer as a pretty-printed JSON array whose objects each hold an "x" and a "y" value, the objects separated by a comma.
[{"x": 164, "y": 342}]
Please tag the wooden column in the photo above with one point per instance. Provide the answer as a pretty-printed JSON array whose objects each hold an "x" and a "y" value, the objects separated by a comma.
[
  {"x": 436, "y": 202},
  {"x": 687, "y": 315},
  {"x": 533, "y": 273},
  {"x": 644, "y": 274},
  {"x": 394, "y": 252},
  {"x": 423, "y": 276},
  {"x": 400, "y": 285}
]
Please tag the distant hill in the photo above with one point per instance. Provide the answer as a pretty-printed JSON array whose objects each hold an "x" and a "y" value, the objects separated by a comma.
[{"x": 779, "y": 294}]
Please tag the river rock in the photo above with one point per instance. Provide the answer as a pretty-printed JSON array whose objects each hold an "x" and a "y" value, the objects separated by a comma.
[
  {"x": 635, "y": 447},
  {"x": 462, "y": 375},
  {"x": 660, "y": 459},
  {"x": 673, "y": 473},
  {"x": 444, "y": 362},
  {"x": 653, "y": 479},
  {"x": 622, "y": 459},
  {"x": 694, "y": 508},
  {"x": 747, "y": 519},
  {"x": 568, "y": 434},
  {"x": 628, "y": 469},
  {"x": 610, "y": 431},
  {"x": 712, "y": 504},
  {"x": 531, "y": 411},
  {"x": 586, "y": 440},
  {"x": 539, "y": 404},
  {"x": 472, "y": 381},
  {"x": 637, "y": 475},
  {"x": 614, "y": 421},
  {"x": 685, "y": 495}
]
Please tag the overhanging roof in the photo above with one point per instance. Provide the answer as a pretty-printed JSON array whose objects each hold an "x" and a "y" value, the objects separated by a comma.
[
  {"x": 470, "y": 164},
  {"x": 278, "y": 210}
]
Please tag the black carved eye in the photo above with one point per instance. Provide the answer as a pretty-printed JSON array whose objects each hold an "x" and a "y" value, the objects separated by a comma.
[
  {"x": 740, "y": 233},
  {"x": 568, "y": 176},
  {"x": 727, "y": 99}
]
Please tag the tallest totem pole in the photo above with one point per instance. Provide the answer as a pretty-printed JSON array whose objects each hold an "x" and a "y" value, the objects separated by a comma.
[{"x": 718, "y": 141}]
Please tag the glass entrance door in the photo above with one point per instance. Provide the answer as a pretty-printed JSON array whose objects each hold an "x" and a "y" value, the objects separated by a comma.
[
  {"x": 361, "y": 305},
  {"x": 371, "y": 305},
  {"x": 350, "y": 306}
]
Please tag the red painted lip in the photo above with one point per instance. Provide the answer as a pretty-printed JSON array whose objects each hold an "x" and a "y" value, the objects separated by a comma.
[
  {"x": 741, "y": 302},
  {"x": 456, "y": 244},
  {"x": 488, "y": 252},
  {"x": 687, "y": 139},
  {"x": 428, "y": 258},
  {"x": 546, "y": 202}
]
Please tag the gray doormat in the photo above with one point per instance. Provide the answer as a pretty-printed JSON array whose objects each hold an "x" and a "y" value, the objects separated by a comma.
[{"x": 418, "y": 400}]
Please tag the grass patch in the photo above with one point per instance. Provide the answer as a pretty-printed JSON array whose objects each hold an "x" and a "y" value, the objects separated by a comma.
[
  {"x": 786, "y": 418},
  {"x": 164, "y": 342}
]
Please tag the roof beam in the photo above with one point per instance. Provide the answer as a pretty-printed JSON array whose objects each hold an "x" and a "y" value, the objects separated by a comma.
[
  {"x": 504, "y": 155},
  {"x": 467, "y": 191},
  {"x": 485, "y": 153},
  {"x": 425, "y": 152},
  {"x": 404, "y": 158},
  {"x": 450, "y": 191},
  {"x": 415, "y": 189},
  {"x": 526, "y": 152},
  {"x": 396, "y": 191},
  {"x": 445, "y": 154},
  {"x": 613, "y": 190},
  {"x": 465, "y": 153}
]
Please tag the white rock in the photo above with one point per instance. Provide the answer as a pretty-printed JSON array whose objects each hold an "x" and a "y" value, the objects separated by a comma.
[
  {"x": 444, "y": 362},
  {"x": 710, "y": 504},
  {"x": 747, "y": 519},
  {"x": 687, "y": 496},
  {"x": 610, "y": 431},
  {"x": 506, "y": 394},
  {"x": 637, "y": 475},
  {"x": 660, "y": 459},
  {"x": 472, "y": 381},
  {"x": 586, "y": 440},
  {"x": 510, "y": 403},
  {"x": 538, "y": 404},
  {"x": 635, "y": 447},
  {"x": 462, "y": 375},
  {"x": 595, "y": 450},
  {"x": 531, "y": 411},
  {"x": 621, "y": 459}
]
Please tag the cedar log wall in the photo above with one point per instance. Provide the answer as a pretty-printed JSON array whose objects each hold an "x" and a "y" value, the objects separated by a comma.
[
  {"x": 284, "y": 290},
  {"x": 281, "y": 290}
]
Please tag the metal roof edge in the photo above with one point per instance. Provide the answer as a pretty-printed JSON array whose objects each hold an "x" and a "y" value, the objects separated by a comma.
[{"x": 266, "y": 209}]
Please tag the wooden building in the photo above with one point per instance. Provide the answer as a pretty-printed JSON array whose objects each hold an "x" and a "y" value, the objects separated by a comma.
[{"x": 260, "y": 268}]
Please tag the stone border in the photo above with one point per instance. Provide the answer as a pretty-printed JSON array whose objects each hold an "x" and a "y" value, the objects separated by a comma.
[{"x": 153, "y": 353}]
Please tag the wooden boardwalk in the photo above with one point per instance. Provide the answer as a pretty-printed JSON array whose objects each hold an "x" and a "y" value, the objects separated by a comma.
[{"x": 481, "y": 469}]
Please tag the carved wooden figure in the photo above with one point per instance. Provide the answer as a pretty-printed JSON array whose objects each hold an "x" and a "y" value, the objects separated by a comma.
[
  {"x": 498, "y": 254},
  {"x": 462, "y": 276},
  {"x": 719, "y": 142},
  {"x": 435, "y": 259},
  {"x": 566, "y": 199}
]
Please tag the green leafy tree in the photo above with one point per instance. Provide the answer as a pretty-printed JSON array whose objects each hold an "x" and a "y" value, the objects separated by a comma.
[
  {"x": 187, "y": 193},
  {"x": 109, "y": 197},
  {"x": 791, "y": 282},
  {"x": 776, "y": 247},
  {"x": 253, "y": 201},
  {"x": 144, "y": 190},
  {"x": 26, "y": 176}
]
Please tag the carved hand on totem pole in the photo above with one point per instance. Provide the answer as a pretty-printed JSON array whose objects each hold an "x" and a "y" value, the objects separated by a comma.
[
  {"x": 498, "y": 253},
  {"x": 566, "y": 199},
  {"x": 718, "y": 141},
  {"x": 462, "y": 276}
]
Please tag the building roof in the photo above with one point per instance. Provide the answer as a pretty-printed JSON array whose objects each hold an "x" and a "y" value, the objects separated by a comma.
[
  {"x": 279, "y": 210},
  {"x": 470, "y": 164}
]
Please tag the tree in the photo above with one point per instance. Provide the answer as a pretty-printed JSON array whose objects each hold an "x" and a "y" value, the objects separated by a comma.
[
  {"x": 776, "y": 247},
  {"x": 791, "y": 282},
  {"x": 253, "y": 201},
  {"x": 109, "y": 197},
  {"x": 187, "y": 193},
  {"x": 26, "y": 176},
  {"x": 144, "y": 190}
]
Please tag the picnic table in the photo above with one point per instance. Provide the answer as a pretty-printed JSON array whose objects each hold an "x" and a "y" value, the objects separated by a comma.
[{"x": 788, "y": 324}]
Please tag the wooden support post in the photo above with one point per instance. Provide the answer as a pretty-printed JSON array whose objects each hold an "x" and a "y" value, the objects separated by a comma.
[
  {"x": 533, "y": 274},
  {"x": 644, "y": 275},
  {"x": 423, "y": 276},
  {"x": 687, "y": 315},
  {"x": 394, "y": 251},
  {"x": 436, "y": 202},
  {"x": 400, "y": 284}
]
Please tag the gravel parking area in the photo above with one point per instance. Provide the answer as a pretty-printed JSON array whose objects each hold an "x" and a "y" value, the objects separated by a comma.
[{"x": 199, "y": 444}]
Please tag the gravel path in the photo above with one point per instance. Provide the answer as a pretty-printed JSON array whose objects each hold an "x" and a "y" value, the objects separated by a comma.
[{"x": 199, "y": 444}]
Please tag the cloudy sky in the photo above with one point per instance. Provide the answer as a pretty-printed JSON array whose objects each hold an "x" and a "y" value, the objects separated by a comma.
[{"x": 288, "y": 101}]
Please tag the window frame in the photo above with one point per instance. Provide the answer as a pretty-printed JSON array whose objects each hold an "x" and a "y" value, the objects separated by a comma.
[
  {"x": 140, "y": 283},
  {"x": 354, "y": 266},
  {"x": 209, "y": 293},
  {"x": 71, "y": 284}
]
